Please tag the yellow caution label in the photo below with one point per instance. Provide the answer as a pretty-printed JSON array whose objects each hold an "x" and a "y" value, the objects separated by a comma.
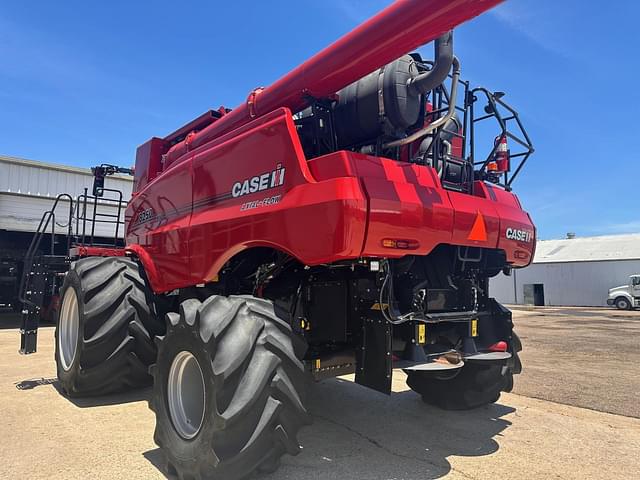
[
  {"x": 474, "y": 327},
  {"x": 422, "y": 334},
  {"x": 376, "y": 306},
  {"x": 317, "y": 364}
]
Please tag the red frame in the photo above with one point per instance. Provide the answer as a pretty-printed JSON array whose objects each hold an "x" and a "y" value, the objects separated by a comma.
[
  {"x": 79, "y": 251},
  {"x": 185, "y": 224}
]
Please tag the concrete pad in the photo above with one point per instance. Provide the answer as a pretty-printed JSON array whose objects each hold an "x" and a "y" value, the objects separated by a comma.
[{"x": 357, "y": 433}]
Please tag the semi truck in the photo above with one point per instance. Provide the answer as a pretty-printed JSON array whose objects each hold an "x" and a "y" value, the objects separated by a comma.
[
  {"x": 626, "y": 297},
  {"x": 344, "y": 220}
]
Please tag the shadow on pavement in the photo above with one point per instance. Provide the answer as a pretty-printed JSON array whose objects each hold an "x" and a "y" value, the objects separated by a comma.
[
  {"x": 32, "y": 383},
  {"x": 87, "y": 402},
  {"x": 156, "y": 458},
  {"x": 358, "y": 433},
  {"x": 105, "y": 400}
]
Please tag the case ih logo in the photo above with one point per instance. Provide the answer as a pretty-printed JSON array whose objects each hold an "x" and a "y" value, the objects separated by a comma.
[
  {"x": 519, "y": 235},
  {"x": 259, "y": 183}
]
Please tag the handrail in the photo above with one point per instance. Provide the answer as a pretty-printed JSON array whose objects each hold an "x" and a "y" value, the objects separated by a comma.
[{"x": 37, "y": 238}]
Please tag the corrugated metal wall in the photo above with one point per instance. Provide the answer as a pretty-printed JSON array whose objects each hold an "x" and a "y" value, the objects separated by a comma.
[
  {"x": 28, "y": 189},
  {"x": 566, "y": 284}
]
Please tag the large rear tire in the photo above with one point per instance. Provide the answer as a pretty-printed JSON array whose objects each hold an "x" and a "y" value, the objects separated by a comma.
[
  {"x": 474, "y": 385},
  {"x": 227, "y": 389},
  {"x": 105, "y": 328}
]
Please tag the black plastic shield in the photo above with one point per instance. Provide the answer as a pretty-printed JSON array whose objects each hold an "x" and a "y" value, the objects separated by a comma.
[{"x": 373, "y": 361}]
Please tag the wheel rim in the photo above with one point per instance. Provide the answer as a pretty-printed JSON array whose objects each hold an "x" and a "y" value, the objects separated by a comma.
[
  {"x": 186, "y": 395},
  {"x": 622, "y": 304},
  {"x": 68, "y": 328}
]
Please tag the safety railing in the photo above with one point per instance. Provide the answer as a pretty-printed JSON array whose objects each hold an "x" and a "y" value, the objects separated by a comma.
[
  {"x": 84, "y": 213},
  {"x": 47, "y": 221},
  {"x": 510, "y": 127}
]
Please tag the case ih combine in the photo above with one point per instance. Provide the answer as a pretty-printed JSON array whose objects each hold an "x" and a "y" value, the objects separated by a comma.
[{"x": 343, "y": 220}]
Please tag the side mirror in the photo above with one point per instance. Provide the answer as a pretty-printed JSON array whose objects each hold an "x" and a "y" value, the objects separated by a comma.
[
  {"x": 98, "y": 181},
  {"x": 98, "y": 186}
]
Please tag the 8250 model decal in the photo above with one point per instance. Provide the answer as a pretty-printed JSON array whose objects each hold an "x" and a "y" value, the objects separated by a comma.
[
  {"x": 145, "y": 215},
  {"x": 268, "y": 180}
]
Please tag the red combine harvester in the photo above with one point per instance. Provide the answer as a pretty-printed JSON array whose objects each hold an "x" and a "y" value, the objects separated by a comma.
[{"x": 341, "y": 221}]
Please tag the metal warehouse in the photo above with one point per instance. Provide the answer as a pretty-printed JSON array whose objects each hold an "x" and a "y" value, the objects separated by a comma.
[
  {"x": 572, "y": 272},
  {"x": 28, "y": 189}
]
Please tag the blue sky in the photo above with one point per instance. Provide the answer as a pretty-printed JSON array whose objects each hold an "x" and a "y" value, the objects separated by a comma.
[{"x": 86, "y": 82}]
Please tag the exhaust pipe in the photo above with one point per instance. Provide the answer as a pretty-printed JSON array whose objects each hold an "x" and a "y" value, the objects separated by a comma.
[{"x": 427, "y": 81}]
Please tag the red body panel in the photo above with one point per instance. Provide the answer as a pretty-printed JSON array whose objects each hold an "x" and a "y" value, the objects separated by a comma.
[
  {"x": 187, "y": 223},
  {"x": 158, "y": 220},
  {"x": 79, "y": 251}
]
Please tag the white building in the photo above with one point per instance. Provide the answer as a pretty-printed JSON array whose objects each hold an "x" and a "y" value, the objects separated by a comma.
[
  {"x": 29, "y": 188},
  {"x": 572, "y": 271}
]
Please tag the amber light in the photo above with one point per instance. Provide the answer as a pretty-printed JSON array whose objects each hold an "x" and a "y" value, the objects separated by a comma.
[{"x": 400, "y": 244}]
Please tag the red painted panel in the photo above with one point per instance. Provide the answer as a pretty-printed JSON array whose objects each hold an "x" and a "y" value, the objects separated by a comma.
[
  {"x": 405, "y": 202},
  {"x": 467, "y": 207},
  {"x": 148, "y": 162},
  {"x": 313, "y": 221},
  {"x": 158, "y": 223},
  {"x": 254, "y": 187}
]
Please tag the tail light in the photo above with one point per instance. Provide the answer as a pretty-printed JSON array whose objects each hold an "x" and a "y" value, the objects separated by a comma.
[{"x": 400, "y": 244}]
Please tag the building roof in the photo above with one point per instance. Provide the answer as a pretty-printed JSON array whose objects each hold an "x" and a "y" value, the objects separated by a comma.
[
  {"x": 7, "y": 159},
  {"x": 19, "y": 176},
  {"x": 589, "y": 249}
]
